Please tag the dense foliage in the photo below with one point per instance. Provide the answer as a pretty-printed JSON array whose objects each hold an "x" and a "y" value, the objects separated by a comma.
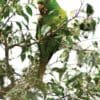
[{"x": 55, "y": 33}]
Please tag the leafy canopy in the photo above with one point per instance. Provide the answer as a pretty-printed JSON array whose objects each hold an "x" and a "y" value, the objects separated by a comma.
[{"x": 55, "y": 33}]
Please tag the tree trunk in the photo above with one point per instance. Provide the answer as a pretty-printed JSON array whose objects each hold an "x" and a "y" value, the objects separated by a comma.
[{"x": 42, "y": 68}]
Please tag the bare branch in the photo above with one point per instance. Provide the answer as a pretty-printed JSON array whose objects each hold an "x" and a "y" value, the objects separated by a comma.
[
  {"x": 22, "y": 45},
  {"x": 17, "y": 74},
  {"x": 77, "y": 13}
]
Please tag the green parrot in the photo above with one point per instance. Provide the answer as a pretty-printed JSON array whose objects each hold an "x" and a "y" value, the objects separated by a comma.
[{"x": 51, "y": 17}]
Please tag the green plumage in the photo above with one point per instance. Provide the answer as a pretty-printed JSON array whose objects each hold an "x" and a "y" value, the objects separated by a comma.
[
  {"x": 55, "y": 14},
  {"x": 52, "y": 19}
]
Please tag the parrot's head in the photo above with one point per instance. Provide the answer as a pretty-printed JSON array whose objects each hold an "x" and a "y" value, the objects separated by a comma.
[
  {"x": 49, "y": 4},
  {"x": 42, "y": 7}
]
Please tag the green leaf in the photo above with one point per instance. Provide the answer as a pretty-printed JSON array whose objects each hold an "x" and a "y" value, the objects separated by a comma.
[
  {"x": 88, "y": 25},
  {"x": 98, "y": 60},
  {"x": 23, "y": 56},
  {"x": 19, "y": 25},
  {"x": 25, "y": 16},
  {"x": 72, "y": 79},
  {"x": 31, "y": 96},
  {"x": 7, "y": 30},
  {"x": 31, "y": 57},
  {"x": 93, "y": 24},
  {"x": 45, "y": 29},
  {"x": 6, "y": 13},
  {"x": 2, "y": 2},
  {"x": 26, "y": 25},
  {"x": 19, "y": 9},
  {"x": 89, "y": 10},
  {"x": 29, "y": 10},
  {"x": 95, "y": 44},
  {"x": 64, "y": 56}
]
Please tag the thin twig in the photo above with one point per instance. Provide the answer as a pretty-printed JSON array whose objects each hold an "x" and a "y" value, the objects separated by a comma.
[
  {"x": 76, "y": 15},
  {"x": 17, "y": 74},
  {"x": 22, "y": 45},
  {"x": 8, "y": 20}
]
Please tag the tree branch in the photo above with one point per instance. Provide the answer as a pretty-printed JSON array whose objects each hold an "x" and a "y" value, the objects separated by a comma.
[
  {"x": 77, "y": 13},
  {"x": 8, "y": 20},
  {"x": 22, "y": 44}
]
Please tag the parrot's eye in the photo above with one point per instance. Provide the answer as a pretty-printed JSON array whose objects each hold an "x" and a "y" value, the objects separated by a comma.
[{"x": 60, "y": 17}]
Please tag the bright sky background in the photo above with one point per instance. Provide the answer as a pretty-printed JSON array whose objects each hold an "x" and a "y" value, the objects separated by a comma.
[{"x": 68, "y": 6}]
